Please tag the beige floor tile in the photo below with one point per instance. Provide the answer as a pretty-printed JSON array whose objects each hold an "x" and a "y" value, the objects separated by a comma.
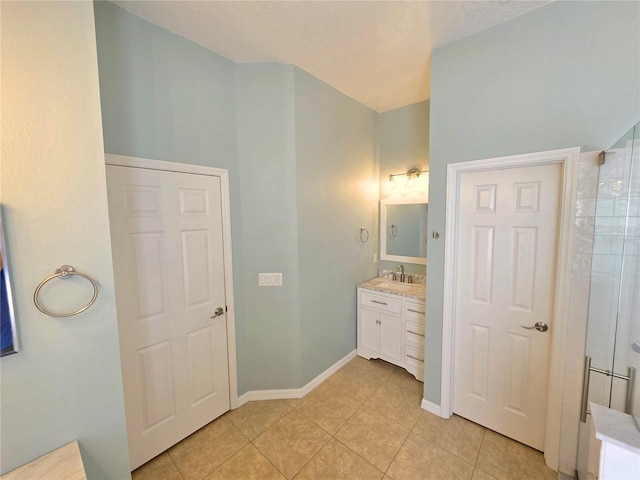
[
  {"x": 455, "y": 435},
  {"x": 204, "y": 451},
  {"x": 407, "y": 381},
  {"x": 400, "y": 403},
  {"x": 507, "y": 459},
  {"x": 374, "y": 365},
  {"x": 253, "y": 418},
  {"x": 247, "y": 464},
  {"x": 293, "y": 402},
  {"x": 328, "y": 408},
  {"x": 160, "y": 468},
  {"x": 480, "y": 475},
  {"x": 291, "y": 442},
  {"x": 373, "y": 436},
  {"x": 419, "y": 459},
  {"x": 337, "y": 462},
  {"x": 358, "y": 383}
]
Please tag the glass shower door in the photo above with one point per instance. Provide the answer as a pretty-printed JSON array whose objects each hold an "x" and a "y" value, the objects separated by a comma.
[{"x": 613, "y": 328}]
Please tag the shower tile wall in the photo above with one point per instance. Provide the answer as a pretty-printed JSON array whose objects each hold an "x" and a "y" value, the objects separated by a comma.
[
  {"x": 605, "y": 285},
  {"x": 615, "y": 274},
  {"x": 628, "y": 330}
]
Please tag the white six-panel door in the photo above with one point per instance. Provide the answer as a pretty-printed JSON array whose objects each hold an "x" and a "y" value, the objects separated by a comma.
[
  {"x": 506, "y": 263},
  {"x": 167, "y": 240}
]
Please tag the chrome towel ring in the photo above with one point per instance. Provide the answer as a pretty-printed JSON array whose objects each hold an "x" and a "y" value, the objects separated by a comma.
[
  {"x": 64, "y": 272},
  {"x": 364, "y": 234}
]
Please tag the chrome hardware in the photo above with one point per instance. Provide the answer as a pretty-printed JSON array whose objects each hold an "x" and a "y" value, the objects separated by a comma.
[
  {"x": 415, "y": 333},
  {"x": 628, "y": 404},
  {"x": 415, "y": 311},
  {"x": 376, "y": 301},
  {"x": 364, "y": 234},
  {"x": 539, "y": 326},
  {"x": 435, "y": 235},
  {"x": 409, "y": 279},
  {"x": 585, "y": 388},
  {"x": 415, "y": 358},
  {"x": 630, "y": 377},
  {"x": 219, "y": 311},
  {"x": 403, "y": 277},
  {"x": 64, "y": 272}
]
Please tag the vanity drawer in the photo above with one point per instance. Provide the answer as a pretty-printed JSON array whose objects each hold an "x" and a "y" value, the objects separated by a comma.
[
  {"x": 414, "y": 333},
  {"x": 414, "y": 311},
  {"x": 380, "y": 302},
  {"x": 414, "y": 356}
]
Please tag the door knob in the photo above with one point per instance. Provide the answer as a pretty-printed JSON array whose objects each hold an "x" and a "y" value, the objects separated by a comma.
[
  {"x": 219, "y": 311},
  {"x": 539, "y": 326}
]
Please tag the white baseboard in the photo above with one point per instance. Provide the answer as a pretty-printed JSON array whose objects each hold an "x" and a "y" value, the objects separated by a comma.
[
  {"x": 295, "y": 392},
  {"x": 431, "y": 408}
]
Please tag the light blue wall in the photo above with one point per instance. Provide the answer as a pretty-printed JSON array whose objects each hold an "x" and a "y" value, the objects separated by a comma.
[
  {"x": 301, "y": 160},
  {"x": 337, "y": 193},
  {"x": 65, "y": 383},
  {"x": 267, "y": 175},
  {"x": 403, "y": 143},
  {"x": 566, "y": 74},
  {"x": 166, "y": 98}
]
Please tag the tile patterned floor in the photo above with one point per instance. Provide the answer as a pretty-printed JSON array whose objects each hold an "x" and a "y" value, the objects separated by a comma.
[{"x": 365, "y": 422}]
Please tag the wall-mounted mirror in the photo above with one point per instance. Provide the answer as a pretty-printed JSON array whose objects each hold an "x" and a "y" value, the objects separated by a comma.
[
  {"x": 8, "y": 337},
  {"x": 403, "y": 230}
]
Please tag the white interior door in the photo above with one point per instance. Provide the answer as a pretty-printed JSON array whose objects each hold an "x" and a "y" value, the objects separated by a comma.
[
  {"x": 506, "y": 267},
  {"x": 167, "y": 239}
]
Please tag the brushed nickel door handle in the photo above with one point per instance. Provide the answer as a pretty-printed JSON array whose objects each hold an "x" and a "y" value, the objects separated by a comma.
[
  {"x": 219, "y": 311},
  {"x": 539, "y": 326}
]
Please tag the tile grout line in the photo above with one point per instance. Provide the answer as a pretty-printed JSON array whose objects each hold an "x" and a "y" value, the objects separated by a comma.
[
  {"x": 175, "y": 465},
  {"x": 333, "y": 436}
]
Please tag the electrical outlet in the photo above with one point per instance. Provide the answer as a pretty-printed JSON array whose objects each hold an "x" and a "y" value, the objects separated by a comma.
[
  {"x": 375, "y": 258},
  {"x": 269, "y": 279}
]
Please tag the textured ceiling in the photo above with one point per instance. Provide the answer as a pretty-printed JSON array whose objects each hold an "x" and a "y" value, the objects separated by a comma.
[{"x": 377, "y": 52}]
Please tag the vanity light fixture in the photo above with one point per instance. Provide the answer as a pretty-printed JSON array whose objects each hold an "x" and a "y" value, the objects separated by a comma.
[{"x": 412, "y": 175}]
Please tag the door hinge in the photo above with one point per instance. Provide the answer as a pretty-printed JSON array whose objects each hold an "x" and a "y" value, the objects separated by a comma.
[{"x": 602, "y": 156}]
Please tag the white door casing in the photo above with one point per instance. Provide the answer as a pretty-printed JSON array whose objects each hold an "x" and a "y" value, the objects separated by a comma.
[
  {"x": 169, "y": 236},
  {"x": 568, "y": 159},
  {"x": 506, "y": 256}
]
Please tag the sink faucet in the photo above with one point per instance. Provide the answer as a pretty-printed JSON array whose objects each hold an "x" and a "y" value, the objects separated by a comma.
[{"x": 402, "y": 276}]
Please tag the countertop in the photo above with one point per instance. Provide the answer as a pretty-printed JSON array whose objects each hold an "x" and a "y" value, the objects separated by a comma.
[
  {"x": 381, "y": 284},
  {"x": 65, "y": 462},
  {"x": 615, "y": 427}
]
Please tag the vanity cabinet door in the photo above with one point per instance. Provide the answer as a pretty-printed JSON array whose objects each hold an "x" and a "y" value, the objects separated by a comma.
[
  {"x": 369, "y": 330},
  {"x": 380, "y": 335},
  {"x": 391, "y": 338}
]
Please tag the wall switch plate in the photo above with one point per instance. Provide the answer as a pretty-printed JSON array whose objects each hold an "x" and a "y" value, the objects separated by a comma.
[{"x": 269, "y": 279}]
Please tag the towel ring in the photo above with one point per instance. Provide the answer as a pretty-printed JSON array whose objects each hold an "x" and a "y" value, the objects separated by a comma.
[
  {"x": 64, "y": 272},
  {"x": 364, "y": 234}
]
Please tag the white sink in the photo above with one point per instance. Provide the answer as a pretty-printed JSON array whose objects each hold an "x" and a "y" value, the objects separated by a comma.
[{"x": 400, "y": 287}]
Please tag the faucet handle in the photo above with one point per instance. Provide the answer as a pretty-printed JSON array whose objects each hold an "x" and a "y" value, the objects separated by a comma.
[{"x": 409, "y": 278}]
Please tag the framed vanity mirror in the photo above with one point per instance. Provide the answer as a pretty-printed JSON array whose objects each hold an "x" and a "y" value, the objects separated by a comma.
[
  {"x": 403, "y": 230},
  {"x": 8, "y": 336}
]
